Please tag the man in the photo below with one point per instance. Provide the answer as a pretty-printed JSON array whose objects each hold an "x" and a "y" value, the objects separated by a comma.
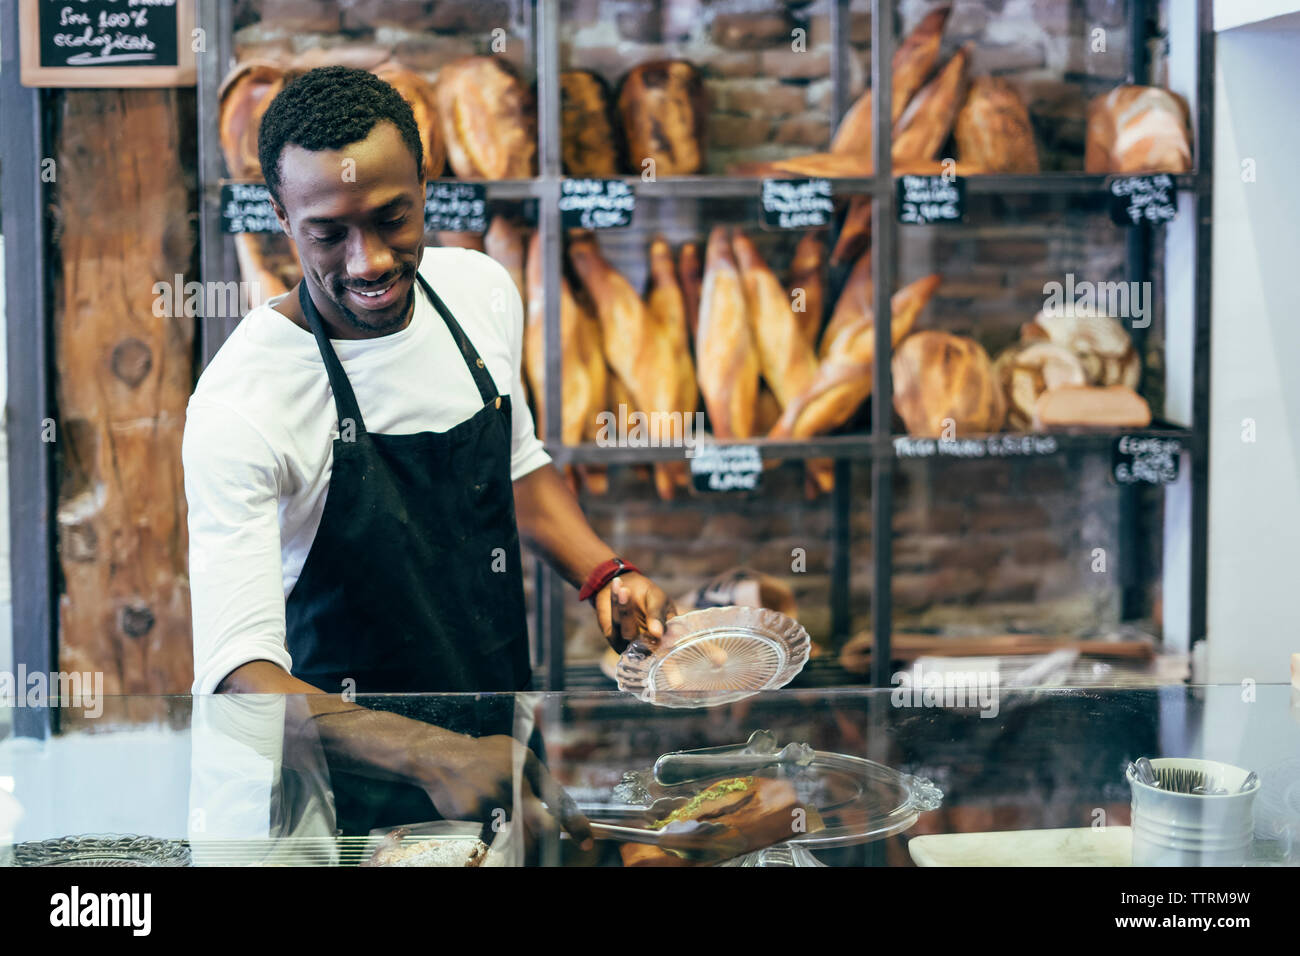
[{"x": 360, "y": 467}]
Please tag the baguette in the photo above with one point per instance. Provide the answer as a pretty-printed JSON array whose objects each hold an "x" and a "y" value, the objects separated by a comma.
[
  {"x": 915, "y": 59},
  {"x": 690, "y": 276},
  {"x": 808, "y": 273},
  {"x": 668, "y": 308},
  {"x": 727, "y": 358},
  {"x": 924, "y": 126},
  {"x": 855, "y": 233},
  {"x": 785, "y": 357}
]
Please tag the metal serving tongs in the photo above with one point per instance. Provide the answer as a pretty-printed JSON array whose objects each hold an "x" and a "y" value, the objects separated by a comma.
[
  {"x": 693, "y": 840},
  {"x": 732, "y": 760}
]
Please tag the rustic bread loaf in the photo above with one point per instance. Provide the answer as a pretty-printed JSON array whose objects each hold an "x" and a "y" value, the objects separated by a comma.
[
  {"x": 993, "y": 129},
  {"x": 664, "y": 111},
  {"x": 944, "y": 386},
  {"x": 489, "y": 124},
  {"x": 587, "y": 141},
  {"x": 1138, "y": 129}
]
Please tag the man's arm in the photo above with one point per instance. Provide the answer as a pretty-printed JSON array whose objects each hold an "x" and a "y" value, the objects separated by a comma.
[{"x": 552, "y": 524}]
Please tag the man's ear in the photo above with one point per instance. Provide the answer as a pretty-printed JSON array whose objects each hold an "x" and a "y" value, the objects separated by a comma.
[{"x": 281, "y": 215}]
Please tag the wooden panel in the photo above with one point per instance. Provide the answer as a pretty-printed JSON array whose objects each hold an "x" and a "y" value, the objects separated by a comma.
[{"x": 124, "y": 221}]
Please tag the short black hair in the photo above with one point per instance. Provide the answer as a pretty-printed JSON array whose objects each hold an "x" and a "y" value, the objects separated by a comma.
[{"x": 328, "y": 108}]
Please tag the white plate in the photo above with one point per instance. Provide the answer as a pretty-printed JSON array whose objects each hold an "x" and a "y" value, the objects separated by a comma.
[{"x": 715, "y": 656}]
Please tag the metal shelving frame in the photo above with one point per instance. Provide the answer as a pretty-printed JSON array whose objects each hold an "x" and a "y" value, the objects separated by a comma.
[{"x": 877, "y": 448}]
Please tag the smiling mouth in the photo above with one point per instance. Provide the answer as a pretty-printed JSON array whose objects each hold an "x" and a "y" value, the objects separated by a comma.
[{"x": 377, "y": 297}]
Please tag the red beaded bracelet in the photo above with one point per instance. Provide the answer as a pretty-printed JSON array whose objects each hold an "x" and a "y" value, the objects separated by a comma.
[{"x": 603, "y": 573}]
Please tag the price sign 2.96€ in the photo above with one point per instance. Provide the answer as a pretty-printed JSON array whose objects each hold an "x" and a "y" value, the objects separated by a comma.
[{"x": 930, "y": 199}]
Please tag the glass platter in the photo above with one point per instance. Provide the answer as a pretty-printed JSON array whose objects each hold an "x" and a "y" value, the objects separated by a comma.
[
  {"x": 715, "y": 656},
  {"x": 858, "y": 800},
  {"x": 102, "y": 851}
]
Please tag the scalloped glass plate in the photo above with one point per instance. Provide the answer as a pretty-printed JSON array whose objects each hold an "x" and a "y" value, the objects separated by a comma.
[
  {"x": 715, "y": 656},
  {"x": 103, "y": 851},
  {"x": 858, "y": 800}
]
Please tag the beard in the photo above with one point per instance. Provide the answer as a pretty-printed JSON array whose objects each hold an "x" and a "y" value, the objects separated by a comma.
[{"x": 372, "y": 322}]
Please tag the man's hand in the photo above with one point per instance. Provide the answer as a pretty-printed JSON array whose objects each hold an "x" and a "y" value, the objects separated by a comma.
[
  {"x": 472, "y": 778},
  {"x": 632, "y": 606}
]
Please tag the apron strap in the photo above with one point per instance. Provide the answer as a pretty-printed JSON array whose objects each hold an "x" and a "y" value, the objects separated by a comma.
[
  {"x": 345, "y": 402},
  {"x": 486, "y": 387}
]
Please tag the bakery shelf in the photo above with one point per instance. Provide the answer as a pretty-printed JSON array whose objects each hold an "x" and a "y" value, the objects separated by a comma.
[
  {"x": 863, "y": 447},
  {"x": 877, "y": 449}
]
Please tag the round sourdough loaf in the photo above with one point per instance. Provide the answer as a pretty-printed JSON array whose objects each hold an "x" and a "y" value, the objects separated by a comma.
[{"x": 945, "y": 387}]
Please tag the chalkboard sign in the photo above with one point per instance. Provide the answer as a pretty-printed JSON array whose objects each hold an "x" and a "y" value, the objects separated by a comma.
[
  {"x": 596, "y": 203},
  {"x": 1139, "y": 460},
  {"x": 107, "y": 43},
  {"x": 455, "y": 207},
  {"x": 1135, "y": 200},
  {"x": 1004, "y": 445},
  {"x": 797, "y": 203},
  {"x": 930, "y": 199},
  {"x": 726, "y": 468},
  {"x": 246, "y": 207}
]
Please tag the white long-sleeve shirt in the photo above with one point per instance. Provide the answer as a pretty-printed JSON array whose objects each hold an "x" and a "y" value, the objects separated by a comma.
[{"x": 259, "y": 432}]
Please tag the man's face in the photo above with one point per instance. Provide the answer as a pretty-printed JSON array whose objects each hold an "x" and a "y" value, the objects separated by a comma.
[{"x": 357, "y": 215}]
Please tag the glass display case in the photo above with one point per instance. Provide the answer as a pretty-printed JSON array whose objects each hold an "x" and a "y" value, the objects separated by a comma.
[{"x": 963, "y": 769}]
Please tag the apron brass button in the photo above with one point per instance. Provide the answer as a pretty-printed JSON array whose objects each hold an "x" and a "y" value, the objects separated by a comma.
[
  {"x": 498, "y": 401},
  {"x": 478, "y": 362}
]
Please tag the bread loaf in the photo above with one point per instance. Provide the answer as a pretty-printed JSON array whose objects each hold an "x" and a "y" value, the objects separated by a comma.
[
  {"x": 855, "y": 233},
  {"x": 924, "y": 126},
  {"x": 419, "y": 94},
  {"x": 587, "y": 140},
  {"x": 668, "y": 308},
  {"x": 856, "y": 302},
  {"x": 245, "y": 94},
  {"x": 944, "y": 386},
  {"x": 663, "y": 108},
  {"x": 808, "y": 275},
  {"x": 915, "y": 58},
  {"x": 1099, "y": 341},
  {"x": 579, "y": 394},
  {"x": 690, "y": 274},
  {"x": 1138, "y": 129},
  {"x": 785, "y": 357},
  {"x": 993, "y": 129},
  {"x": 837, "y": 391},
  {"x": 1111, "y": 406},
  {"x": 504, "y": 242},
  {"x": 635, "y": 347},
  {"x": 488, "y": 119},
  {"x": 726, "y": 355},
  {"x": 1025, "y": 371}
]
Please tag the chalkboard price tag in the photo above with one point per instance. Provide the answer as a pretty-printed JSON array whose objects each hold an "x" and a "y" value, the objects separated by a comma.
[
  {"x": 1139, "y": 460},
  {"x": 1135, "y": 200},
  {"x": 455, "y": 207},
  {"x": 596, "y": 203},
  {"x": 246, "y": 207},
  {"x": 797, "y": 203},
  {"x": 930, "y": 199},
  {"x": 726, "y": 468}
]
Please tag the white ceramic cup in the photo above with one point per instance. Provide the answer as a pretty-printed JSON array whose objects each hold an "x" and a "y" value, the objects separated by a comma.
[{"x": 1190, "y": 829}]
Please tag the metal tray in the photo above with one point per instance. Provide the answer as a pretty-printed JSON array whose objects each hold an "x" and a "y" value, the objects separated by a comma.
[{"x": 715, "y": 656}]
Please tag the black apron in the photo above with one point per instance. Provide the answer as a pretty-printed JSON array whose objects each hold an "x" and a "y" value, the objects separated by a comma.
[{"x": 413, "y": 583}]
